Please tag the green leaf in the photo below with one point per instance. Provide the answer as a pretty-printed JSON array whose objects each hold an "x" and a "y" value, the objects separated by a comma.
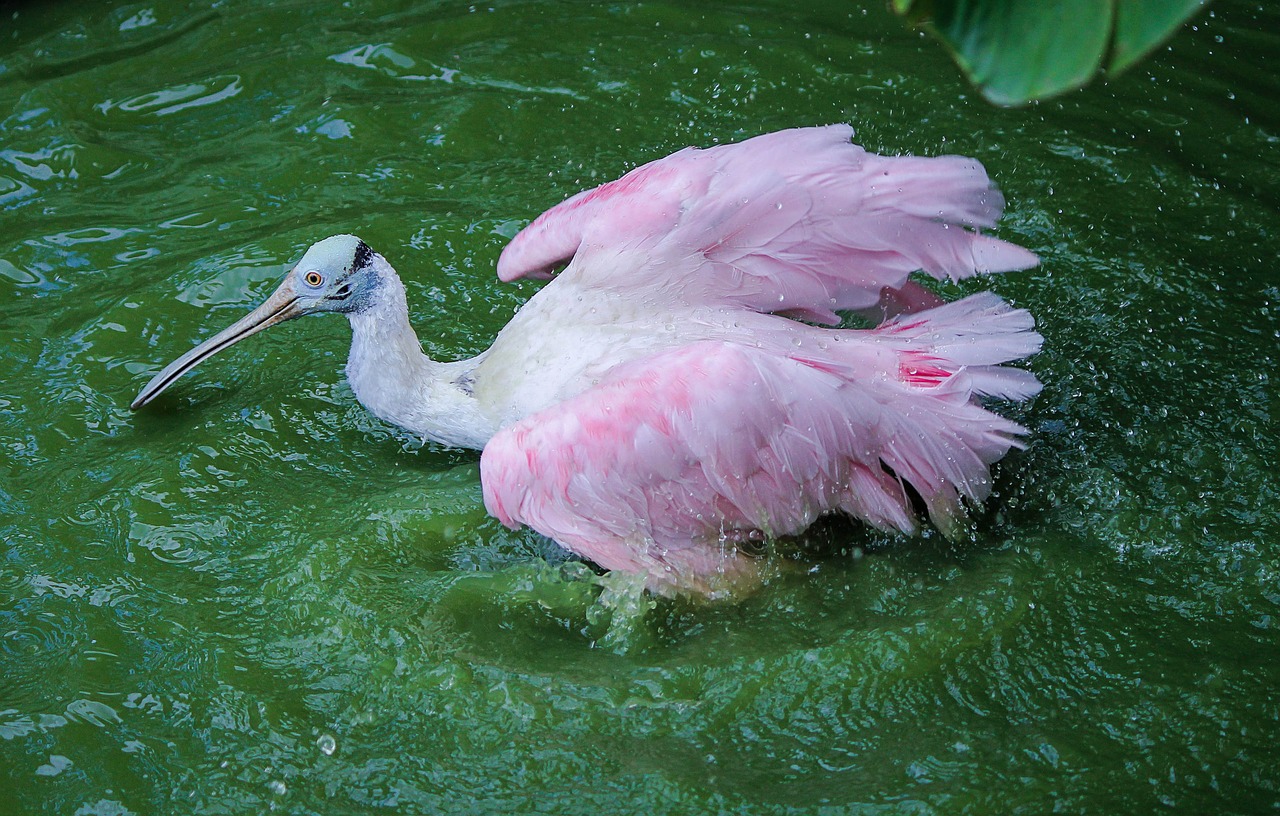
[
  {"x": 1141, "y": 25},
  {"x": 1019, "y": 50}
]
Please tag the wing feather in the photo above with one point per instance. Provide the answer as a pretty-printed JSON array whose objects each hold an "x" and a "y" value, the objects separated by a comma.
[{"x": 800, "y": 222}]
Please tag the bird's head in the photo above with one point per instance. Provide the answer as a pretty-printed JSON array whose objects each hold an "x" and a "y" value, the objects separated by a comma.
[{"x": 338, "y": 274}]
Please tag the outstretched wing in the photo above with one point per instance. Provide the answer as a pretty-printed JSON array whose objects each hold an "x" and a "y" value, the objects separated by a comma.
[
  {"x": 800, "y": 222},
  {"x": 672, "y": 457}
]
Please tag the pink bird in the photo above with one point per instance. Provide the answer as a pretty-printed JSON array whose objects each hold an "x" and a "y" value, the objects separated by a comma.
[{"x": 660, "y": 404}]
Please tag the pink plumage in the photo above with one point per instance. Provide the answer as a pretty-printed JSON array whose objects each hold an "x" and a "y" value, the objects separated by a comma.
[
  {"x": 749, "y": 424},
  {"x": 799, "y": 221}
]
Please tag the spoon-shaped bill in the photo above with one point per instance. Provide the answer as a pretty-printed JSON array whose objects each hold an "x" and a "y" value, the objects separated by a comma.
[{"x": 281, "y": 306}]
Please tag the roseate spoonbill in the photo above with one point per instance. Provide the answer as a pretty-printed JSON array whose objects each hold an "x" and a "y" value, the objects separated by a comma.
[{"x": 660, "y": 403}]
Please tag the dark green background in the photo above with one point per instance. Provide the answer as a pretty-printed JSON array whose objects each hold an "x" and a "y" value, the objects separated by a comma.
[{"x": 196, "y": 601}]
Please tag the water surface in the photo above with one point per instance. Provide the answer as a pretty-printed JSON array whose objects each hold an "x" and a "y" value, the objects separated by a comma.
[{"x": 255, "y": 596}]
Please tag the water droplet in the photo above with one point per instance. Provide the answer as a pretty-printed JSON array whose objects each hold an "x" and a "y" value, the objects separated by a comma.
[
  {"x": 277, "y": 787},
  {"x": 327, "y": 744}
]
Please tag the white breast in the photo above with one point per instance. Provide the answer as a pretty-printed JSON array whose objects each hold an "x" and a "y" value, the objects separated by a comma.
[{"x": 565, "y": 339}]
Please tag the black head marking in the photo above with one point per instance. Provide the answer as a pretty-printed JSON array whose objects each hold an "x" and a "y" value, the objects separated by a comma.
[{"x": 363, "y": 256}]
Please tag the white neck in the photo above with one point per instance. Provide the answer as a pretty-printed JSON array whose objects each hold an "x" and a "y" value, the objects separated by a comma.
[{"x": 399, "y": 384}]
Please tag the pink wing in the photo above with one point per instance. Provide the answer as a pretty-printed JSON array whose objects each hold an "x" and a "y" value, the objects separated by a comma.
[
  {"x": 800, "y": 222},
  {"x": 667, "y": 463}
]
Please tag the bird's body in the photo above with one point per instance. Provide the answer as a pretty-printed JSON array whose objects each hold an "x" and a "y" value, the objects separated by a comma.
[{"x": 657, "y": 405}]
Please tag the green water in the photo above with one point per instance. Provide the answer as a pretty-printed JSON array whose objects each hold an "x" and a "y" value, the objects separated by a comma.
[{"x": 256, "y": 597}]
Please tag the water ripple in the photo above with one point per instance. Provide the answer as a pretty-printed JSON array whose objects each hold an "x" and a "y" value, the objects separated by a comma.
[{"x": 177, "y": 98}]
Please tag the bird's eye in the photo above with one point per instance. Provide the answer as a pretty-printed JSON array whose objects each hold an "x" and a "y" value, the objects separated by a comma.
[{"x": 313, "y": 278}]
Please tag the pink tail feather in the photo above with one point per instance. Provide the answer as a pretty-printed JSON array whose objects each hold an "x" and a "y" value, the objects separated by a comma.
[
  {"x": 975, "y": 335},
  {"x": 931, "y": 430},
  {"x": 949, "y": 440}
]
